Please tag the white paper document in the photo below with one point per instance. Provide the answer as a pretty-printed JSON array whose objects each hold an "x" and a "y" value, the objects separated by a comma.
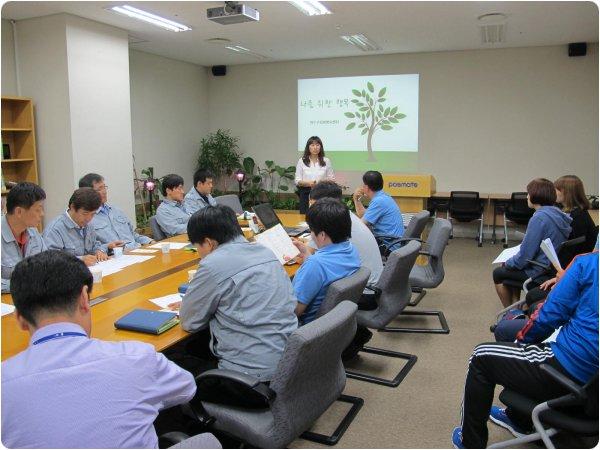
[
  {"x": 166, "y": 300},
  {"x": 143, "y": 251},
  {"x": 172, "y": 245},
  {"x": 507, "y": 254},
  {"x": 115, "y": 265},
  {"x": 7, "y": 309},
  {"x": 548, "y": 249},
  {"x": 277, "y": 240}
]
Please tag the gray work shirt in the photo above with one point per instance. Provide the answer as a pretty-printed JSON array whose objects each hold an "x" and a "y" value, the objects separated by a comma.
[
  {"x": 64, "y": 234},
  {"x": 172, "y": 217},
  {"x": 193, "y": 201},
  {"x": 244, "y": 294},
  {"x": 11, "y": 252},
  {"x": 111, "y": 224}
]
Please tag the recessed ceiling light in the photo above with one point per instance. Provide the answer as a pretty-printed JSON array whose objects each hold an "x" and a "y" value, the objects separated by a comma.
[
  {"x": 492, "y": 28},
  {"x": 245, "y": 51},
  {"x": 147, "y": 17},
  {"x": 311, "y": 7},
  {"x": 362, "y": 42}
]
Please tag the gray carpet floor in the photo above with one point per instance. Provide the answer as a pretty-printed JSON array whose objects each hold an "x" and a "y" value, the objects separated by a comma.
[{"x": 423, "y": 410}]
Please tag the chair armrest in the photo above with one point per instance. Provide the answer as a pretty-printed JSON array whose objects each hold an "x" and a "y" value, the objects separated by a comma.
[
  {"x": 238, "y": 377},
  {"x": 409, "y": 239},
  {"x": 233, "y": 388},
  {"x": 537, "y": 263},
  {"x": 564, "y": 401},
  {"x": 424, "y": 253},
  {"x": 577, "y": 390},
  {"x": 171, "y": 438}
]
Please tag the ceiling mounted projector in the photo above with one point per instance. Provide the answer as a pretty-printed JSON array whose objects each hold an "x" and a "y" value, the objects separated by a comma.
[{"x": 232, "y": 13}]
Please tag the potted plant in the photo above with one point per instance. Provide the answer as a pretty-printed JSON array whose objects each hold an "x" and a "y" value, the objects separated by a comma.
[{"x": 219, "y": 153}]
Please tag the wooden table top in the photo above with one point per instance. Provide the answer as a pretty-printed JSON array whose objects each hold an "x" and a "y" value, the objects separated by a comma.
[{"x": 129, "y": 289}]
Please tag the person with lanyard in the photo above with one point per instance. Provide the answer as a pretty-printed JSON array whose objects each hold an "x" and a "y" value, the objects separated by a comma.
[
  {"x": 171, "y": 215},
  {"x": 110, "y": 223},
  {"x": 312, "y": 168},
  {"x": 383, "y": 214},
  {"x": 330, "y": 229},
  {"x": 20, "y": 237},
  {"x": 72, "y": 231},
  {"x": 68, "y": 390},
  {"x": 199, "y": 196}
]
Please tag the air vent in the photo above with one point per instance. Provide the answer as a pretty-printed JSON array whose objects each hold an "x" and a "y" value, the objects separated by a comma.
[
  {"x": 218, "y": 41},
  {"x": 492, "y": 28}
]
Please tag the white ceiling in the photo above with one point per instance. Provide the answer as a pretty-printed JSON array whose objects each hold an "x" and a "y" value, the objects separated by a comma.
[{"x": 285, "y": 34}]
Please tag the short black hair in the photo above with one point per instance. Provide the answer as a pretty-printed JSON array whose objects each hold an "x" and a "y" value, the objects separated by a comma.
[
  {"x": 85, "y": 198},
  {"x": 50, "y": 282},
  {"x": 215, "y": 222},
  {"x": 89, "y": 180},
  {"x": 170, "y": 181},
  {"x": 373, "y": 179},
  {"x": 332, "y": 217},
  {"x": 23, "y": 194},
  {"x": 201, "y": 175},
  {"x": 326, "y": 189}
]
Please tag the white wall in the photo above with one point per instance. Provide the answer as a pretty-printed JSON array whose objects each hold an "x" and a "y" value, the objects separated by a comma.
[
  {"x": 7, "y": 65},
  {"x": 490, "y": 120},
  {"x": 98, "y": 64},
  {"x": 169, "y": 114}
]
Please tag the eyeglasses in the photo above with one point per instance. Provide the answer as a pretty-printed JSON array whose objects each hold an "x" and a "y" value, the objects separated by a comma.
[{"x": 101, "y": 188}]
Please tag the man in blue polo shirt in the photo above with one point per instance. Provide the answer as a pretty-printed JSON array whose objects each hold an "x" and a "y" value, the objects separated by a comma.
[
  {"x": 383, "y": 214},
  {"x": 330, "y": 228}
]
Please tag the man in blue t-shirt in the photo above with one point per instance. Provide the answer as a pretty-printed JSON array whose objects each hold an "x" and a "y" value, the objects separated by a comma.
[
  {"x": 572, "y": 304},
  {"x": 330, "y": 228},
  {"x": 383, "y": 214}
]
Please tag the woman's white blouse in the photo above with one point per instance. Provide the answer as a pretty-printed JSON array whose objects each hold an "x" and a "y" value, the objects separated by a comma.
[{"x": 315, "y": 172}]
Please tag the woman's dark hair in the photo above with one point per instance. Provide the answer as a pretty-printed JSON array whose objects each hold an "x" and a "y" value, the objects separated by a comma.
[
  {"x": 49, "y": 282},
  {"x": 373, "y": 179},
  {"x": 85, "y": 198},
  {"x": 170, "y": 181},
  {"x": 332, "y": 217},
  {"x": 326, "y": 189},
  {"x": 306, "y": 156},
  {"x": 215, "y": 222},
  {"x": 573, "y": 193},
  {"x": 541, "y": 192},
  {"x": 24, "y": 194}
]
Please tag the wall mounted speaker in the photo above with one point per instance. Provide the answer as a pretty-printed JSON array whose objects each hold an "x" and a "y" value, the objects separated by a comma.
[
  {"x": 577, "y": 49},
  {"x": 219, "y": 71}
]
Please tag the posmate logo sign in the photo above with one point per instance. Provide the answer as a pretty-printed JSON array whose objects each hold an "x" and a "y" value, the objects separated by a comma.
[{"x": 403, "y": 184}]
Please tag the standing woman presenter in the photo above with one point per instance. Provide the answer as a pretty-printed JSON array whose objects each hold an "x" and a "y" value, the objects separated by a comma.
[{"x": 312, "y": 168}]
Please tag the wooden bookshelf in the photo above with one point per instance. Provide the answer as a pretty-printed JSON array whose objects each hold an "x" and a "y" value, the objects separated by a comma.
[{"x": 18, "y": 132}]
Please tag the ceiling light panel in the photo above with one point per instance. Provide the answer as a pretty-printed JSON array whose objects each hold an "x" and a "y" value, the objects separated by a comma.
[
  {"x": 245, "y": 51},
  {"x": 362, "y": 42},
  {"x": 311, "y": 7},
  {"x": 150, "y": 18}
]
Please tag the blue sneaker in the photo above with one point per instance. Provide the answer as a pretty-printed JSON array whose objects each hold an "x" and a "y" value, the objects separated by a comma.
[
  {"x": 457, "y": 438},
  {"x": 499, "y": 417}
]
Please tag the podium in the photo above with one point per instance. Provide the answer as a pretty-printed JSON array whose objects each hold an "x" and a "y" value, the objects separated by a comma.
[{"x": 410, "y": 191}]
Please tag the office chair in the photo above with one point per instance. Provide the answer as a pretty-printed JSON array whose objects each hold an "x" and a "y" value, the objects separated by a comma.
[
  {"x": 516, "y": 211},
  {"x": 310, "y": 377},
  {"x": 157, "y": 233},
  {"x": 575, "y": 412},
  {"x": 232, "y": 201},
  {"x": 413, "y": 231},
  {"x": 178, "y": 439},
  {"x": 466, "y": 206}
]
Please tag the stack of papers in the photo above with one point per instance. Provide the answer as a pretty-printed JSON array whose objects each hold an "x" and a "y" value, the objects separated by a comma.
[
  {"x": 7, "y": 309},
  {"x": 277, "y": 240},
  {"x": 172, "y": 245},
  {"x": 165, "y": 301},
  {"x": 507, "y": 254},
  {"x": 143, "y": 251},
  {"x": 115, "y": 265},
  {"x": 548, "y": 249}
]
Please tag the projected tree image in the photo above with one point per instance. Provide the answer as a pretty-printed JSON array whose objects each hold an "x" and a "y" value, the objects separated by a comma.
[{"x": 371, "y": 115}]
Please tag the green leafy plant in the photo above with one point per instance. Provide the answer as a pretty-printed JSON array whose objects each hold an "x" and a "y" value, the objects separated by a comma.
[
  {"x": 371, "y": 115},
  {"x": 267, "y": 183},
  {"x": 219, "y": 153},
  {"x": 349, "y": 203}
]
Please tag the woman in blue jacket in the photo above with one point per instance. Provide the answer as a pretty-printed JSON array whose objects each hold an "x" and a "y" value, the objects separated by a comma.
[{"x": 547, "y": 222}]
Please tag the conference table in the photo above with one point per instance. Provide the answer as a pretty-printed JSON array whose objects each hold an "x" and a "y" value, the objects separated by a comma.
[{"x": 131, "y": 288}]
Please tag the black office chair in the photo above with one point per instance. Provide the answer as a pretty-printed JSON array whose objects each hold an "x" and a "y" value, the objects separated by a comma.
[
  {"x": 575, "y": 412},
  {"x": 466, "y": 206},
  {"x": 516, "y": 211}
]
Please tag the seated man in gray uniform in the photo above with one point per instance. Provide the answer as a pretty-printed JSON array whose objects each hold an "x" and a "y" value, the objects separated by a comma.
[
  {"x": 20, "y": 237},
  {"x": 72, "y": 232},
  {"x": 110, "y": 223},
  {"x": 171, "y": 215},
  {"x": 242, "y": 292},
  {"x": 199, "y": 196}
]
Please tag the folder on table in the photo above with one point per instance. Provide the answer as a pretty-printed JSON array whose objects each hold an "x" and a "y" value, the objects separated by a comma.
[{"x": 147, "y": 321}]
